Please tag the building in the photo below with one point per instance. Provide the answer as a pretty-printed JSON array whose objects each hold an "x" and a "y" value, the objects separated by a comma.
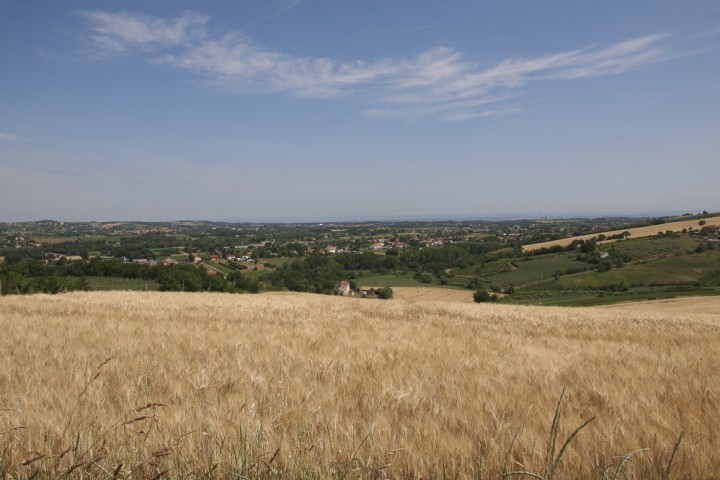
[{"x": 343, "y": 288}]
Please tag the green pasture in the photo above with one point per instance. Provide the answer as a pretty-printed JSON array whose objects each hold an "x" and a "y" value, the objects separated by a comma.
[
  {"x": 668, "y": 270},
  {"x": 535, "y": 269},
  {"x": 652, "y": 246}
]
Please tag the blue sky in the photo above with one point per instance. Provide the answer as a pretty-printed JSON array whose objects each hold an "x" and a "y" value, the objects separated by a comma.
[{"x": 299, "y": 109}]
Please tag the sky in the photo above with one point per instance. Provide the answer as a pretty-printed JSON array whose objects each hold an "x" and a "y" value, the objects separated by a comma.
[{"x": 282, "y": 110}]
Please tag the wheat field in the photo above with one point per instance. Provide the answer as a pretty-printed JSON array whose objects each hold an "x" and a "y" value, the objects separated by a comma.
[{"x": 173, "y": 385}]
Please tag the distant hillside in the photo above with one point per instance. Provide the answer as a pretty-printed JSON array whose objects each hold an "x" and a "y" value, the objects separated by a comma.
[{"x": 647, "y": 231}]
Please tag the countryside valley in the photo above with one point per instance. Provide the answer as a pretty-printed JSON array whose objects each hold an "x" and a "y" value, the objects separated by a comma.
[{"x": 548, "y": 261}]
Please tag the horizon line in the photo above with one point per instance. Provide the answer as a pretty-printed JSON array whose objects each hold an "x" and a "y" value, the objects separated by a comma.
[{"x": 402, "y": 218}]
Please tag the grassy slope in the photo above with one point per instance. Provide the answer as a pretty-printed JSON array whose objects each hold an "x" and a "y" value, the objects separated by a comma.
[
  {"x": 674, "y": 269},
  {"x": 536, "y": 269}
]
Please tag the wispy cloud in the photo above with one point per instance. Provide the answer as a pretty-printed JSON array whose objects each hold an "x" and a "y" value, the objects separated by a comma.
[
  {"x": 120, "y": 32},
  {"x": 288, "y": 6},
  {"x": 9, "y": 137},
  {"x": 441, "y": 83}
]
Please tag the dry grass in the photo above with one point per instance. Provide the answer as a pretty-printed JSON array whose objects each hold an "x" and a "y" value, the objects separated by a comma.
[
  {"x": 432, "y": 294},
  {"x": 694, "y": 305},
  {"x": 639, "y": 232},
  {"x": 150, "y": 385}
]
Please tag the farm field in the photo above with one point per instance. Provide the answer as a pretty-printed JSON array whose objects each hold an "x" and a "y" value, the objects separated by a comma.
[
  {"x": 536, "y": 269},
  {"x": 635, "y": 233},
  {"x": 693, "y": 305},
  {"x": 289, "y": 385},
  {"x": 432, "y": 294},
  {"x": 673, "y": 269}
]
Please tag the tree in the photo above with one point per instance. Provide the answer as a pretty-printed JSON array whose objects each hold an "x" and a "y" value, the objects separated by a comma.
[
  {"x": 386, "y": 293},
  {"x": 482, "y": 296},
  {"x": 475, "y": 283},
  {"x": 424, "y": 277},
  {"x": 589, "y": 246}
]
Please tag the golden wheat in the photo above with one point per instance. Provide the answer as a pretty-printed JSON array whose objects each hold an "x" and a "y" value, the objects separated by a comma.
[{"x": 146, "y": 385}]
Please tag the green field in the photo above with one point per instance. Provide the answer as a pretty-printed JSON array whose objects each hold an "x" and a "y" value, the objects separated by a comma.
[
  {"x": 652, "y": 247},
  {"x": 589, "y": 298},
  {"x": 669, "y": 270},
  {"x": 218, "y": 266},
  {"x": 277, "y": 261},
  {"x": 536, "y": 269}
]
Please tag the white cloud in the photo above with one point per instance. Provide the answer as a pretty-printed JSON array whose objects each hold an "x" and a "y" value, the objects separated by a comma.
[
  {"x": 118, "y": 32},
  {"x": 440, "y": 82},
  {"x": 8, "y": 137},
  {"x": 236, "y": 63}
]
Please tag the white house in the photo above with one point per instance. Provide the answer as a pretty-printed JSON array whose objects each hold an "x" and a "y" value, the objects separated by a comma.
[{"x": 343, "y": 288}]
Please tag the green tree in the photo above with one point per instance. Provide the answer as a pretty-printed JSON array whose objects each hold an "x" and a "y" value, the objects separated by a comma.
[
  {"x": 482, "y": 296},
  {"x": 386, "y": 293},
  {"x": 475, "y": 283}
]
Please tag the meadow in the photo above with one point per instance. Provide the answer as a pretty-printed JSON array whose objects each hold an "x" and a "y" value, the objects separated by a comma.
[
  {"x": 668, "y": 270},
  {"x": 197, "y": 385},
  {"x": 536, "y": 269}
]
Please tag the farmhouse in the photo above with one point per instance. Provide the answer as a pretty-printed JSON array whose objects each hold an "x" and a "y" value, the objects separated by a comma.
[{"x": 343, "y": 288}]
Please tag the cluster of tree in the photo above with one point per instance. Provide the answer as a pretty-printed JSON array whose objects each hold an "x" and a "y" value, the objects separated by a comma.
[
  {"x": 34, "y": 276},
  {"x": 315, "y": 274}
]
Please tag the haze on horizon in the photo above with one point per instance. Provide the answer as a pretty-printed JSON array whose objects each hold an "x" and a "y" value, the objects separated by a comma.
[{"x": 298, "y": 109}]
